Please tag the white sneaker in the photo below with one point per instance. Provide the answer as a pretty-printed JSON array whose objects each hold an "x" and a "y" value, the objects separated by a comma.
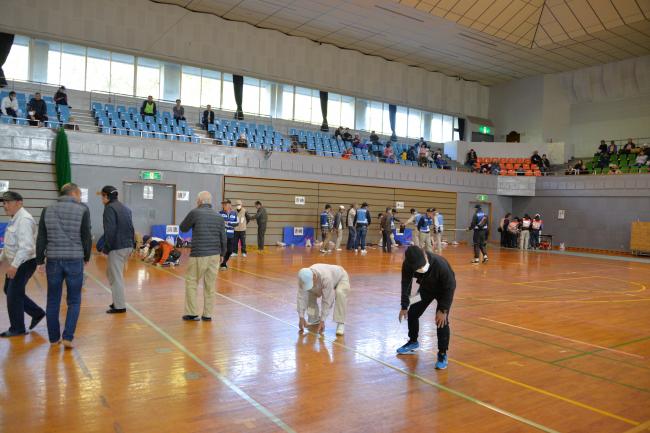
[
  {"x": 340, "y": 329},
  {"x": 485, "y": 259},
  {"x": 339, "y": 249},
  {"x": 233, "y": 255},
  {"x": 364, "y": 252},
  {"x": 243, "y": 255},
  {"x": 356, "y": 251}
]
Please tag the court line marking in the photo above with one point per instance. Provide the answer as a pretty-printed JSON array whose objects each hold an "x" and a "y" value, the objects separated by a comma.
[
  {"x": 386, "y": 364},
  {"x": 595, "y": 352},
  {"x": 565, "y": 338},
  {"x": 223, "y": 379},
  {"x": 640, "y": 428}
]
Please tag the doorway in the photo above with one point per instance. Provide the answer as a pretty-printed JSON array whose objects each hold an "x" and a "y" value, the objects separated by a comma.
[{"x": 147, "y": 212}]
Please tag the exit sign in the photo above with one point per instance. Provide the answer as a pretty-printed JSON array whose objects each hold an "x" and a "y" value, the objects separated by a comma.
[
  {"x": 482, "y": 197},
  {"x": 151, "y": 175},
  {"x": 484, "y": 129}
]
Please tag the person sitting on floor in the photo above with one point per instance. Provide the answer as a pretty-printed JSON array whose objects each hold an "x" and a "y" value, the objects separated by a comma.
[{"x": 165, "y": 254}]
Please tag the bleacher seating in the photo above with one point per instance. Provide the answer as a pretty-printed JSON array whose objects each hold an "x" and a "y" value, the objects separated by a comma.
[
  {"x": 57, "y": 114},
  {"x": 510, "y": 165}
]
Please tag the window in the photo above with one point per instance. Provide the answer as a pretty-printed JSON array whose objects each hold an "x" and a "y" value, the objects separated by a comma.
[
  {"x": 53, "y": 62},
  {"x": 148, "y": 74},
  {"x": 210, "y": 88},
  {"x": 447, "y": 128},
  {"x": 16, "y": 66},
  {"x": 302, "y": 102},
  {"x": 414, "y": 123},
  {"x": 266, "y": 90},
  {"x": 191, "y": 86},
  {"x": 347, "y": 110},
  {"x": 284, "y": 101},
  {"x": 436, "y": 128},
  {"x": 122, "y": 69},
  {"x": 334, "y": 109},
  {"x": 251, "y": 96},
  {"x": 170, "y": 81},
  {"x": 73, "y": 66},
  {"x": 98, "y": 70},
  {"x": 401, "y": 122},
  {"x": 228, "y": 94}
]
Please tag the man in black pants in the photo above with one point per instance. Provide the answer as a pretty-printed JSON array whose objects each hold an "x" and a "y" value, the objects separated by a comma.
[
  {"x": 480, "y": 226},
  {"x": 437, "y": 281}
]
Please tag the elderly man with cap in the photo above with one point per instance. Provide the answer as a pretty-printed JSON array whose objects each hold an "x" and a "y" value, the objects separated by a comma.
[
  {"x": 240, "y": 229},
  {"x": 480, "y": 226},
  {"x": 328, "y": 282},
  {"x": 19, "y": 254},
  {"x": 230, "y": 219},
  {"x": 119, "y": 240},
  {"x": 436, "y": 281}
]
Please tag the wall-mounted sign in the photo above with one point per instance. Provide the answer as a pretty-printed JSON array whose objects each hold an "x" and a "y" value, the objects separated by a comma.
[
  {"x": 399, "y": 205},
  {"x": 150, "y": 175},
  {"x": 171, "y": 230},
  {"x": 300, "y": 200},
  {"x": 182, "y": 196},
  {"x": 4, "y": 185},
  {"x": 147, "y": 192},
  {"x": 84, "y": 195},
  {"x": 560, "y": 214},
  {"x": 482, "y": 197},
  {"x": 298, "y": 231},
  {"x": 484, "y": 129}
]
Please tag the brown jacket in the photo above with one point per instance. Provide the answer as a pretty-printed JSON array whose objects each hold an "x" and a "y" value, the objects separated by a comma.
[{"x": 384, "y": 223}]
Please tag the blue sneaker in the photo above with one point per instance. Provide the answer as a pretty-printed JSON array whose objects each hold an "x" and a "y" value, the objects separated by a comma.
[
  {"x": 409, "y": 348},
  {"x": 441, "y": 364}
]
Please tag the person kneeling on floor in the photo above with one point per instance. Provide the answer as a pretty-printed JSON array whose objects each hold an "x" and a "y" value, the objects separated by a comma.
[
  {"x": 165, "y": 254},
  {"x": 332, "y": 284},
  {"x": 437, "y": 281}
]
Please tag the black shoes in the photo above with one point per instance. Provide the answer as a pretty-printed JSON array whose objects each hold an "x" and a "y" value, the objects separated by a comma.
[
  {"x": 206, "y": 319},
  {"x": 113, "y": 310},
  {"x": 8, "y": 334},
  {"x": 191, "y": 318},
  {"x": 36, "y": 320}
]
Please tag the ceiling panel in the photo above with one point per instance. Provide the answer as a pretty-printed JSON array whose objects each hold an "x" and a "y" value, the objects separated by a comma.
[{"x": 489, "y": 41}]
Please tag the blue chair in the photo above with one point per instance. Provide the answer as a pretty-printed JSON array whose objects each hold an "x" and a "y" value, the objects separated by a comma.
[
  {"x": 109, "y": 107},
  {"x": 134, "y": 133},
  {"x": 96, "y": 106},
  {"x": 106, "y": 130},
  {"x": 7, "y": 120},
  {"x": 121, "y": 109}
]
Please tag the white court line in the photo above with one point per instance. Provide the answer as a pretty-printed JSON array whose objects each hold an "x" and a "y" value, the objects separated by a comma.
[
  {"x": 237, "y": 390},
  {"x": 565, "y": 338}
]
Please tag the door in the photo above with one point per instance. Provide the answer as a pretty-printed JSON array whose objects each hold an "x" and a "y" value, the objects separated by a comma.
[{"x": 148, "y": 212}]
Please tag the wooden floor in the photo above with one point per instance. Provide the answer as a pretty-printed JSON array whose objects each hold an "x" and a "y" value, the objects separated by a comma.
[{"x": 540, "y": 342}]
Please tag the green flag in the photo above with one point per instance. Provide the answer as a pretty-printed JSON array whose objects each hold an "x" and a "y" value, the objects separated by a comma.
[{"x": 62, "y": 159}]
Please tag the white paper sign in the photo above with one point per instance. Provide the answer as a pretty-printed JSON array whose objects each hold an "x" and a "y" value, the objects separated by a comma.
[
  {"x": 4, "y": 185},
  {"x": 298, "y": 231},
  {"x": 182, "y": 196},
  {"x": 560, "y": 214},
  {"x": 84, "y": 195},
  {"x": 300, "y": 200},
  {"x": 171, "y": 230},
  {"x": 147, "y": 192},
  {"x": 399, "y": 205}
]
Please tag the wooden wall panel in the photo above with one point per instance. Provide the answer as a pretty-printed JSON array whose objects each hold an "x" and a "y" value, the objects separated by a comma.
[
  {"x": 36, "y": 182},
  {"x": 278, "y": 196}
]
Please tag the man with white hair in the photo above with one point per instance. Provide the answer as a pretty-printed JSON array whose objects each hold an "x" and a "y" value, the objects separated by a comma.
[
  {"x": 328, "y": 282},
  {"x": 208, "y": 243}
]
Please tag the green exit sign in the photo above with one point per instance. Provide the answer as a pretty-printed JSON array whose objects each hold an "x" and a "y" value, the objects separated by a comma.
[
  {"x": 484, "y": 129},
  {"x": 482, "y": 197},
  {"x": 150, "y": 175}
]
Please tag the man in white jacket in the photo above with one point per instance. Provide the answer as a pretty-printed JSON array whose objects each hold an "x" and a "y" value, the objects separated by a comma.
[
  {"x": 9, "y": 105},
  {"x": 328, "y": 282}
]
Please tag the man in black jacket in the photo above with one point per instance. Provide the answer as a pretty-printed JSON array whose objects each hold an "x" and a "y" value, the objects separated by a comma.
[
  {"x": 480, "y": 226},
  {"x": 208, "y": 243},
  {"x": 437, "y": 281},
  {"x": 261, "y": 217},
  {"x": 208, "y": 117},
  {"x": 37, "y": 110},
  {"x": 119, "y": 239}
]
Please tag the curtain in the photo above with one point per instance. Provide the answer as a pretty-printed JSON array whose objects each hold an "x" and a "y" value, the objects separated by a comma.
[
  {"x": 62, "y": 159},
  {"x": 323, "y": 109},
  {"x": 392, "y": 114},
  {"x": 461, "y": 129},
  {"x": 238, "y": 85},
  {"x": 6, "y": 41}
]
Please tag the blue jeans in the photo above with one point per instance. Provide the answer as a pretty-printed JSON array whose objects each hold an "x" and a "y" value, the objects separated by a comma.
[
  {"x": 72, "y": 272},
  {"x": 352, "y": 238},
  {"x": 361, "y": 236}
]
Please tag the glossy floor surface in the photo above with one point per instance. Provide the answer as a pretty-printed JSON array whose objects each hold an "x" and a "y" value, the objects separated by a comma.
[{"x": 540, "y": 342}]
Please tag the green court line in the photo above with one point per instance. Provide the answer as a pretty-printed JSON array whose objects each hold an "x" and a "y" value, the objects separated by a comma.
[
  {"x": 223, "y": 379},
  {"x": 595, "y": 352}
]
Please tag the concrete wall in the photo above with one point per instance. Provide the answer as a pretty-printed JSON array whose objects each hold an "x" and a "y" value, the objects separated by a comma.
[{"x": 142, "y": 27}]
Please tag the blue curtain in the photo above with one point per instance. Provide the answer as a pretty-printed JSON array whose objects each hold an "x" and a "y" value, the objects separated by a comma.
[{"x": 392, "y": 114}]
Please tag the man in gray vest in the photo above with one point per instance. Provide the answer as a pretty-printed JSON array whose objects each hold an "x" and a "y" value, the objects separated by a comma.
[
  {"x": 119, "y": 238},
  {"x": 64, "y": 239}
]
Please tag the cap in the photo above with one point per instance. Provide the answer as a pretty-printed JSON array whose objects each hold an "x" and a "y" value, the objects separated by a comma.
[
  {"x": 305, "y": 279},
  {"x": 478, "y": 206},
  {"x": 109, "y": 190},
  {"x": 341, "y": 207},
  {"x": 414, "y": 257},
  {"x": 10, "y": 196},
  {"x": 226, "y": 201},
  {"x": 238, "y": 203}
]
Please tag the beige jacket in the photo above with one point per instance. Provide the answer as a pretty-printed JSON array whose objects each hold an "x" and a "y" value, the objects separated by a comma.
[{"x": 241, "y": 220}]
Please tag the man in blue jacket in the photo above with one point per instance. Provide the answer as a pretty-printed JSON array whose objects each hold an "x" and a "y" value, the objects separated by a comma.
[
  {"x": 119, "y": 239},
  {"x": 230, "y": 219}
]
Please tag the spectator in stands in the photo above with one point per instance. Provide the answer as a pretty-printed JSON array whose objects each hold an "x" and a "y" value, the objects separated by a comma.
[
  {"x": 9, "y": 105},
  {"x": 242, "y": 141},
  {"x": 60, "y": 97},
  {"x": 423, "y": 155},
  {"x": 356, "y": 141},
  {"x": 602, "y": 148},
  {"x": 578, "y": 168},
  {"x": 374, "y": 138},
  {"x": 603, "y": 160},
  {"x": 179, "y": 111},
  {"x": 612, "y": 149},
  {"x": 485, "y": 168},
  {"x": 520, "y": 170},
  {"x": 642, "y": 158},
  {"x": 338, "y": 133},
  {"x": 412, "y": 154},
  {"x": 388, "y": 152},
  {"x": 294, "y": 146},
  {"x": 148, "y": 107},
  {"x": 536, "y": 159},
  {"x": 470, "y": 159},
  {"x": 496, "y": 168},
  {"x": 440, "y": 162},
  {"x": 208, "y": 117},
  {"x": 422, "y": 142},
  {"x": 346, "y": 135},
  {"x": 546, "y": 165},
  {"x": 613, "y": 169},
  {"x": 37, "y": 110},
  {"x": 628, "y": 148},
  {"x": 347, "y": 154},
  {"x": 404, "y": 155}
]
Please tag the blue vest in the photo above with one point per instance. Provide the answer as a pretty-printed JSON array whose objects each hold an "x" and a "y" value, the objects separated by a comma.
[
  {"x": 230, "y": 219},
  {"x": 440, "y": 219},
  {"x": 479, "y": 216},
  {"x": 362, "y": 216},
  {"x": 324, "y": 224},
  {"x": 426, "y": 224}
]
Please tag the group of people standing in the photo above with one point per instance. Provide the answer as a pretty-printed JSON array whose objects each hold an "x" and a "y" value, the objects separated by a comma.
[{"x": 523, "y": 233}]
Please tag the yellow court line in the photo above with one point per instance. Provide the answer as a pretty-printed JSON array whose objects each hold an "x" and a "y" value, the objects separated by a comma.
[
  {"x": 498, "y": 376},
  {"x": 551, "y": 281},
  {"x": 564, "y": 338},
  {"x": 641, "y": 428}
]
